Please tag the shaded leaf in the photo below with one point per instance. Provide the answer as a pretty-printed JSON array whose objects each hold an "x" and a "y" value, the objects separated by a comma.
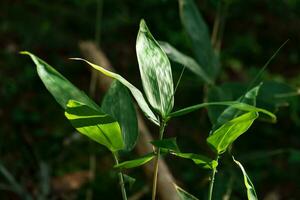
[
  {"x": 128, "y": 179},
  {"x": 224, "y": 136},
  {"x": 185, "y": 60},
  {"x": 168, "y": 144},
  {"x": 184, "y": 195},
  {"x": 251, "y": 194},
  {"x": 118, "y": 103},
  {"x": 198, "y": 33},
  {"x": 136, "y": 162},
  {"x": 95, "y": 124},
  {"x": 61, "y": 89},
  {"x": 134, "y": 91},
  {"x": 155, "y": 70}
]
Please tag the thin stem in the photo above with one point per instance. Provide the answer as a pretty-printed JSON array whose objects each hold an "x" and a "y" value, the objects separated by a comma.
[
  {"x": 121, "y": 179},
  {"x": 154, "y": 185},
  {"x": 211, "y": 185}
]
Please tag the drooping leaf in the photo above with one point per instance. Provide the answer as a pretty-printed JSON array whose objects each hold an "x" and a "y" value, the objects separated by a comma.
[
  {"x": 118, "y": 103},
  {"x": 168, "y": 144},
  {"x": 224, "y": 136},
  {"x": 198, "y": 33},
  {"x": 134, "y": 91},
  {"x": 235, "y": 104},
  {"x": 136, "y": 162},
  {"x": 61, "y": 89},
  {"x": 185, "y": 60},
  {"x": 184, "y": 195},
  {"x": 95, "y": 124},
  {"x": 155, "y": 70},
  {"x": 198, "y": 159},
  {"x": 251, "y": 194}
]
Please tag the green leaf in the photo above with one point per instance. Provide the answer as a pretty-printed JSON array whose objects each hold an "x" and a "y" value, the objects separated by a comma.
[
  {"x": 184, "y": 195},
  {"x": 61, "y": 89},
  {"x": 185, "y": 60},
  {"x": 155, "y": 70},
  {"x": 251, "y": 194},
  {"x": 168, "y": 144},
  {"x": 235, "y": 104},
  {"x": 231, "y": 112},
  {"x": 198, "y": 159},
  {"x": 198, "y": 33},
  {"x": 95, "y": 124},
  {"x": 224, "y": 136},
  {"x": 134, "y": 91},
  {"x": 136, "y": 162},
  {"x": 128, "y": 179},
  {"x": 118, "y": 103}
]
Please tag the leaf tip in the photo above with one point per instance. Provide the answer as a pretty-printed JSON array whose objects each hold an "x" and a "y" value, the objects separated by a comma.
[
  {"x": 143, "y": 26},
  {"x": 24, "y": 52}
]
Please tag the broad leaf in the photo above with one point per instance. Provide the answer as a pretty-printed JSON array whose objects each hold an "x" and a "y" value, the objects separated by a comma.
[
  {"x": 184, "y": 195},
  {"x": 155, "y": 70},
  {"x": 224, "y": 136},
  {"x": 198, "y": 32},
  {"x": 198, "y": 159},
  {"x": 118, "y": 103},
  {"x": 235, "y": 104},
  {"x": 136, "y": 162},
  {"x": 185, "y": 60},
  {"x": 95, "y": 124},
  {"x": 134, "y": 91},
  {"x": 168, "y": 144},
  {"x": 251, "y": 194},
  {"x": 61, "y": 89}
]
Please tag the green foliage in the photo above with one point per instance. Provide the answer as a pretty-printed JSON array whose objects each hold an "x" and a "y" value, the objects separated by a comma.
[
  {"x": 95, "y": 124},
  {"x": 61, "y": 89},
  {"x": 186, "y": 61},
  {"x": 198, "y": 33},
  {"x": 123, "y": 111},
  {"x": 155, "y": 70},
  {"x": 251, "y": 194},
  {"x": 134, "y": 91},
  {"x": 169, "y": 144},
  {"x": 184, "y": 195},
  {"x": 224, "y": 136},
  {"x": 136, "y": 162}
]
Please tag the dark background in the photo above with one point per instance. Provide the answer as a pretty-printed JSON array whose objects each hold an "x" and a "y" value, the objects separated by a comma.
[{"x": 33, "y": 129}]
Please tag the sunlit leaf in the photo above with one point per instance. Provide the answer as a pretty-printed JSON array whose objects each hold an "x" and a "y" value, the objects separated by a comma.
[
  {"x": 224, "y": 136},
  {"x": 198, "y": 33},
  {"x": 231, "y": 112},
  {"x": 95, "y": 124},
  {"x": 184, "y": 195},
  {"x": 198, "y": 159},
  {"x": 186, "y": 61},
  {"x": 136, "y": 162},
  {"x": 235, "y": 104},
  {"x": 168, "y": 144},
  {"x": 61, "y": 89},
  {"x": 118, "y": 103},
  {"x": 155, "y": 70},
  {"x": 134, "y": 91},
  {"x": 251, "y": 194}
]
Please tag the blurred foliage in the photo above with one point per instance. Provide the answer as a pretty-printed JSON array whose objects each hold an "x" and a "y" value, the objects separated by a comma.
[{"x": 33, "y": 129}]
